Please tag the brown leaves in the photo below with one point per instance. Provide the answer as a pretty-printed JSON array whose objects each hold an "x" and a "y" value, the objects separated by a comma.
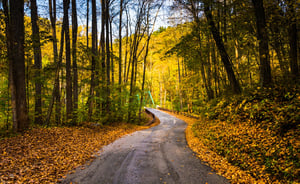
[
  {"x": 214, "y": 160},
  {"x": 45, "y": 155}
]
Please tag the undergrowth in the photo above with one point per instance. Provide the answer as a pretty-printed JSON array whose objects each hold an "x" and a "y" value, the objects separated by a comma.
[{"x": 257, "y": 131}]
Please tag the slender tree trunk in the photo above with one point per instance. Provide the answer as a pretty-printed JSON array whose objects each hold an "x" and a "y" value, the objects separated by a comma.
[
  {"x": 9, "y": 55},
  {"x": 179, "y": 84},
  {"x": 94, "y": 51},
  {"x": 17, "y": 63},
  {"x": 209, "y": 73},
  {"x": 56, "y": 90},
  {"x": 293, "y": 40},
  {"x": 224, "y": 21},
  {"x": 262, "y": 36},
  {"x": 126, "y": 48},
  {"x": 74, "y": 55},
  {"x": 69, "y": 100},
  {"x": 144, "y": 76},
  {"x": 52, "y": 12},
  {"x": 206, "y": 81},
  {"x": 277, "y": 37},
  {"x": 107, "y": 56},
  {"x": 102, "y": 51},
  {"x": 235, "y": 86},
  {"x": 111, "y": 53},
  {"x": 120, "y": 44},
  {"x": 87, "y": 22},
  {"x": 38, "y": 115}
]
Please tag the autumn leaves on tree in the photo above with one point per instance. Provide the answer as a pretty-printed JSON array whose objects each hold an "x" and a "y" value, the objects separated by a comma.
[
  {"x": 81, "y": 82},
  {"x": 102, "y": 75}
]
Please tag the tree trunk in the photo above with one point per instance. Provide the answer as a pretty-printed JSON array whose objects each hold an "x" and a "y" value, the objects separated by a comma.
[
  {"x": 120, "y": 44},
  {"x": 9, "y": 55},
  {"x": 224, "y": 21},
  {"x": 17, "y": 64},
  {"x": 111, "y": 53},
  {"x": 179, "y": 85},
  {"x": 126, "y": 48},
  {"x": 56, "y": 89},
  {"x": 262, "y": 37},
  {"x": 38, "y": 115},
  {"x": 107, "y": 57},
  {"x": 52, "y": 12},
  {"x": 94, "y": 51},
  {"x": 69, "y": 101},
  {"x": 293, "y": 39},
  {"x": 235, "y": 86},
  {"x": 87, "y": 23},
  {"x": 74, "y": 50}
]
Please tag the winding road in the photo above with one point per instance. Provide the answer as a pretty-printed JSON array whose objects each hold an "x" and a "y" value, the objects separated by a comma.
[{"x": 152, "y": 156}]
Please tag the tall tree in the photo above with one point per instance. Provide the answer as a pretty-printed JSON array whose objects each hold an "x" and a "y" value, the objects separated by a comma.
[
  {"x": 69, "y": 103},
  {"x": 74, "y": 55},
  {"x": 58, "y": 61},
  {"x": 235, "y": 86},
  {"x": 293, "y": 38},
  {"x": 87, "y": 22},
  {"x": 15, "y": 39},
  {"x": 262, "y": 37},
  {"x": 37, "y": 63},
  {"x": 94, "y": 54},
  {"x": 120, "y": 43},
  {"x": 107, "y": 16},
  {"x": 9, "y": 54},
  {"x": 56, "y": 89}
]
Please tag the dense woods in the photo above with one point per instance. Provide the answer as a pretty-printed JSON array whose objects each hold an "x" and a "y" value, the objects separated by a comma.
[
  {"x": 71, "y": 67},
  {"x": 66, "y": 62}
]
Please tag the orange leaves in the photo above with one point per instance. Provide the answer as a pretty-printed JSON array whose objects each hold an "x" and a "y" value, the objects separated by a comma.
[
  {"x": 46, "y": 155},
  {"x": 244, "y": 152}
]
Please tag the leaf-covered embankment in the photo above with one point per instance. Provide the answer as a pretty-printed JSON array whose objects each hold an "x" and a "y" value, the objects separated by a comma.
[
  {"x": 44, "y": 155},
  {"x": 252, "y": 138}
]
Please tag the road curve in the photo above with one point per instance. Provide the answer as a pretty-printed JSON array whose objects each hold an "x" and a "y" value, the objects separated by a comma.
[{"x": 152, "y": 156}]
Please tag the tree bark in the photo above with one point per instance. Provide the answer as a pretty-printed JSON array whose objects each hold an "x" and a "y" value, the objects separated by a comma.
[
  {"x": 69, "y": 100},
  {"x": 17, "y": 64},
  {"x": 224, "y": 21},
  {"x": 74, "y": 55},
  {"x": 87, "y": 23},
  {"x": 107, "y": 56},
  {"x": 56, "y": 89},
  {"x": 235, "y": 86},
  {"x": 293, "y": 40},
  {"x": 94, "y": 51},
  {"x": 38, "y": 114},
  {"x": 111, "y": 52},
  {"x": 120, "y": 44},
  {"x": 262, "y": 37},
  {"x": 9, "y": 56},
  {"x": 52, "y": 12}
]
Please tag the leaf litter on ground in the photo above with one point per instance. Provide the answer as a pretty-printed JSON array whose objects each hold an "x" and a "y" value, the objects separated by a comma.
[
  {"x": 45, "y": 155},
  {"x": 229, "y": 149}
]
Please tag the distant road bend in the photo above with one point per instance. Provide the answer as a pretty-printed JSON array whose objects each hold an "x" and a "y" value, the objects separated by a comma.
[{"x": 156, "y": 155}]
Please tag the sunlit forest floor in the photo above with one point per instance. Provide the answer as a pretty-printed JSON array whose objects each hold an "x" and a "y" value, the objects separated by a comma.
[
  {"x": 45, "y": 155},
  {"x": 254, "y": 138}
]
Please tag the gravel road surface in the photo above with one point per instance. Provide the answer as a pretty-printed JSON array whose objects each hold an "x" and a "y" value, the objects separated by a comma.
[{"x": 153, "y": 156}]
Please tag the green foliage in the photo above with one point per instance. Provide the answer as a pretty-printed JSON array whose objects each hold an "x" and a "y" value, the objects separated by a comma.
[{"x": 260, "y": 127}]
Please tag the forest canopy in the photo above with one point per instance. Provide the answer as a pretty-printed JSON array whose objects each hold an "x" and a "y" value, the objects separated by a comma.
[{"x": 66, "y": 62}]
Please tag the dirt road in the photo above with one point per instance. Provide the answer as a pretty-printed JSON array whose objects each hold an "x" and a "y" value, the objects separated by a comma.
[{"x": 156, "y": 155}]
